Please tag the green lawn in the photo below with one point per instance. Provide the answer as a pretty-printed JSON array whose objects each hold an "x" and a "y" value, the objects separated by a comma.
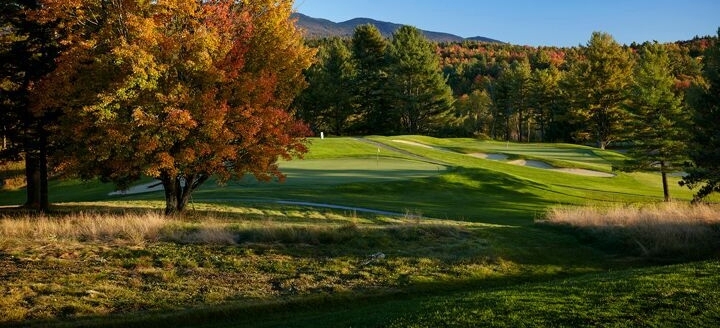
[{"x": 467, "y": 253}]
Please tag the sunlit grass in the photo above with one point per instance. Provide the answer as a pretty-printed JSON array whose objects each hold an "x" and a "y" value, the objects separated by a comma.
[
  {"x": 662, "y": 230},
  {"x": 465, "y": 252},
  {"x": 12, "y": 175},
  {"x": 135, "y": 228}
]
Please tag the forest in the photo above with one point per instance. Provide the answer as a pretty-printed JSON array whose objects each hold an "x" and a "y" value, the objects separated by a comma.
[
  {"x": 488, "y": 90},
  {"x": 657, "y": 101}
]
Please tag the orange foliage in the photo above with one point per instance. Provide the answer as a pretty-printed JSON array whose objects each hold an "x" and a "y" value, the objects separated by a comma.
[{"x": 177, "y": 88}]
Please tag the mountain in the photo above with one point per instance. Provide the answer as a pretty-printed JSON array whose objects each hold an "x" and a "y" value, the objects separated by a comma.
[{"x": 321, "y": 28}]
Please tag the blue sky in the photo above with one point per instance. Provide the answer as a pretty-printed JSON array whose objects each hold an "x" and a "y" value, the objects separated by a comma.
[{"x": 536, "y": 23}]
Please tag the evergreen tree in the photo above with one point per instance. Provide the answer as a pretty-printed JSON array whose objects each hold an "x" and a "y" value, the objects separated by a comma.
[
  {"x": 420, "y": 94},
  {"x": 510, "y": 95},
  {"x": 519, "y": 79},
  {"x": 599, "y": 83},
  {"x": 546, "y": 100},
  {"x": 369, "y": 53},
  {"x": 658, "y": 120},
  {"x": 704, "y": 99},
  {"x": 326, "y": 104},
  {"x": 28, "y": 49}
]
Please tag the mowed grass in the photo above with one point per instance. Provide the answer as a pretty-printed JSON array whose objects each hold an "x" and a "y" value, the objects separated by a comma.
[
  {"x": 467, "y": 188},
  {"x": 467, "y": 253},
  {"x": 557, "y": 154},
  {"x": 88, "y": 266}
]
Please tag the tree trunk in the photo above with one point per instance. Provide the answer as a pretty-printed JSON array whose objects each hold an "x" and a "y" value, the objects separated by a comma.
[
  {"x": 666, "y": 191},
  {"x": 170, "y": 185},
  {"x": 44, "y": 201},
  {"x": 32, "y": 177},
  {"x": 520, "y": 126},
  {"x": 178, "y": 191},
  {"x": 507, "y": 127}
]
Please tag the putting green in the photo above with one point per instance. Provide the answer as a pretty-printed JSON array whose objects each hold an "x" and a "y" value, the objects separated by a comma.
[{"x": 348, "y": 170}]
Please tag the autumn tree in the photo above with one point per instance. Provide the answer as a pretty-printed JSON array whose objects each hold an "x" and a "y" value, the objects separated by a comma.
[
  {"x": 474, "y": 111},
  {"x": 704, "y": 99},
  {"x": 180, "y": 90},
  {"x": 598, "y": 82},
  {"x": 28, "y": 49},
  {"x": 657, "y": 127}
]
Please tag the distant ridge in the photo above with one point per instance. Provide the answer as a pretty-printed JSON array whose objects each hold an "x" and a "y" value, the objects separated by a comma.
[{"x": 316, "y": 28}]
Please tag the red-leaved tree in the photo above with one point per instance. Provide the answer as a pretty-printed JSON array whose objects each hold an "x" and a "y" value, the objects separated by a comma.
[{"x": 180, "y": 90}]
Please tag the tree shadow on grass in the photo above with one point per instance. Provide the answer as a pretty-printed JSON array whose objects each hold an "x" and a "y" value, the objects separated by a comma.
[
  {"x": 438, "y": 247},
  {"x": 465, "y": 194},
  {"x": 477, "y": 195},
  {"x": 639, "y": 195}
]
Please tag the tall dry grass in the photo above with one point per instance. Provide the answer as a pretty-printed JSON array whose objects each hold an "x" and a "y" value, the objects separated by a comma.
[
  {"x": 142, "y": 227},
  {"x": 82, "y": 226},
  {"x": 12, "y": 175},
  {"x": 660, "y": 230}
]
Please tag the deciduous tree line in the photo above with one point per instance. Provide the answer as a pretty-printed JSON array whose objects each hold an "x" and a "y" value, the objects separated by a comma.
[{"x": 643, "y": 96}]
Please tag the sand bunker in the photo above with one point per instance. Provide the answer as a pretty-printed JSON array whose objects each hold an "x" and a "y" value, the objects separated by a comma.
[
  {"x": 412, "y": 143},
  {"x": 494, "y": 157},
  {"x": 532, "y": 163},
  {"x": 542, "y": 165},
  {"x": 546, "y": 166}
]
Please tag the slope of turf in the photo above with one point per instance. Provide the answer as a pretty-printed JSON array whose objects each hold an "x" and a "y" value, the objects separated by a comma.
[
  {"x": 349, "y": 172},
  {"x": 683, "y": 295},
  {"x": 467, "y": 254}
]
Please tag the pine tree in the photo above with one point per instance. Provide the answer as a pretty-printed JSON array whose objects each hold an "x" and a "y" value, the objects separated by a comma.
[
  {"x": 598, "y": 83},
  {"x": 327, "y": 102},
  {"x": 510, "y": 94},
  {"x": 420, "y": 94},
  {"x": 546, "y": 100},
  {"x": 658, "y": 122},
  {"x": 704, "y": 99},
  {"x": 28, "y": 51},
  {"x": 369, "y": 53}
]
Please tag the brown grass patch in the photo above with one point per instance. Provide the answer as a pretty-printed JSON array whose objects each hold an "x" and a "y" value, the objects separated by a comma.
[
  {"x": 135, "y": 228},
  {"x": 661, "y": 230},
  {"x": 12, "y": 175}
]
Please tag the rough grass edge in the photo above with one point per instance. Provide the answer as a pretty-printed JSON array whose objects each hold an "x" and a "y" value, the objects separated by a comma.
[
  {"x": 662, "y": 231},
  {"x": 144, "y": 227}
]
